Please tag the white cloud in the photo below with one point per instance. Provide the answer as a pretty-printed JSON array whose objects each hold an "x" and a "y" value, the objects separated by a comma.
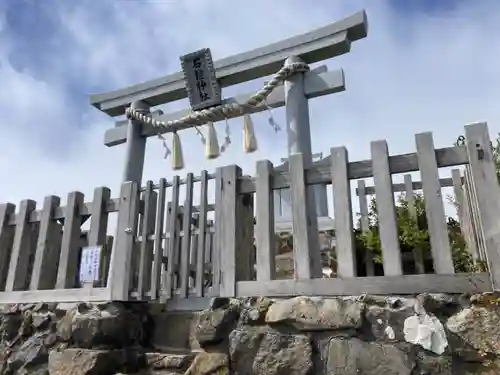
[{"x": 409, "y": 75}]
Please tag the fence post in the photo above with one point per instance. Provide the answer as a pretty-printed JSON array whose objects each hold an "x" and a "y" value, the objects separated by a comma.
[
  {"x": 306, "y": 252},
  {"x": 485, "y": 183},
  {"x": 120, "y": 270},
  {"x": 234, "y": 231}
]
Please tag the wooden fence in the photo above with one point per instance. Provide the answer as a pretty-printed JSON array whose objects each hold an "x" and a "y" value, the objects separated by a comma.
[
  {"x": 464, "y": 199},
  {"x": 40, "y": 249},
  {"x": 168, "y": 248}
]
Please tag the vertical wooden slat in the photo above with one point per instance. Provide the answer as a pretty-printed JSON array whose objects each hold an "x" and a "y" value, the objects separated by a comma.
[
  {"x": 99, "y": 223},
  {"x": 202, "y": 227},
  {"x": 306, "y": 253},
  {"x": 17, "y": 278},
  {"x": 458, "y": 193},
  {"x": 106, "y": 261},
  {"x": 409, "y": 196},
  {"x": 173, "y": 232},
  {"x": 216, "y": 252},
  {"x": 6, "y": 240},
  {"x": 44, "y": 273},
  {"x": 121, "y": 259},
  {"x": 484, "y": 179},
  {"x": 434, "y": 206},
  {"x": 99, "y": 217},
  {"x": 71, "y": 238},
  {"x": 210, "y": 241},
  {"x": 234, "y": 227},
  {"x": 158, "y": 242},
  {"x": 461, "y": 209},
  {"x": 410, "y": 199},
  {"x": 265, "y": 238},
  {"x": 342, "y": 211},
  {"x": 225, "y": 225},
  {"x": 386, "y": 209},
  {"x": 192, "y": 255},
  {"x": 475, "y": 214},
  {"x": 461, "y": 197},
  {"x": 176, "y": 259},
  {"x": 186, "y": 240},
  {"x": 365, "y": 226},
  {"x": 146, "y": 249},
  {"x": 166, "y": 247}
]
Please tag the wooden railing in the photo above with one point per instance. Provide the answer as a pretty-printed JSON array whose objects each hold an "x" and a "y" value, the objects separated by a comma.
[
  {"x": 173, "y": 245},
  {"x": 339, "y": 172},
  {"x": 40, "y": 249}
]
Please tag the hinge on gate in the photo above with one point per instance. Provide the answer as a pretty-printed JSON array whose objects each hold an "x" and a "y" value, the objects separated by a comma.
[
  {"x": 480, "y": 151},
  {"x": 220, "y": 277}
]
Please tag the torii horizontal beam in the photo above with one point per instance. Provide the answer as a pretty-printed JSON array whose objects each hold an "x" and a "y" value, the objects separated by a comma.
[
  {"x": 321, "y": 44},
  {"x": 314, "y": 85}
]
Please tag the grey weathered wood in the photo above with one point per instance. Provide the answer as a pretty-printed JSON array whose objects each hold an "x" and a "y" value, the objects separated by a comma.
[
  {"x": 403, "y": 187},
  {"x": 306, "y": 254},
  {"x": 202, "y": 237},
  {"x": 434, "y": 206},
  {"x": 104, "y": 273},
  {"x": 245, "y": 237},
  {"x": 226, "y": 231},
  {"x": 120, "y": 275},
  {"x": 99, "y": 217},
  {"x": 113, "y": 205},
  {"x": 315, "y": 85},
  {"x": 386, "y": 209},
  {"x": 68, "y": 258},
  {"x": 210, "y": 238},
  {"x": 146, "y": 248},
  {"x": 186, "y": 239},
  {"x": 265, "y": 238},
  {"x": 320, "y": 170},
  {"x": 342, "y": 210},
  {"x": 158, "y": 241},
  {"x": 97, "y": 235},
  {"x": 466, "y": 224},
  {"x": 475, "y": 214},
  {"x": 6, "y": 240},
  {"x": 136, "y": 146},
  {"x": 173, "y": 231},
  {"x": 386, "y": 285},
  {"x": 56, "y": 295},
  {"x": 459, "y": 193},
  {"x": 409, "y": 195},
  {"x": 17, "y": 277},
  {"x": 323, "y": 43},
  {"x": 44, "y": 273},
  {"x": 195, "y": 236},
  {"x": 482, "y": 169},
  {"x": 410, "y": 199},
  {"x": 365, "y": 225},
  {"x": 363, "y": 206},
  {"x": 218, "y": 240}
]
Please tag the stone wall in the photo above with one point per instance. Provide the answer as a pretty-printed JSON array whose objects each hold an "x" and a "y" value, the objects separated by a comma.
[{"x": 365, "y": 335}]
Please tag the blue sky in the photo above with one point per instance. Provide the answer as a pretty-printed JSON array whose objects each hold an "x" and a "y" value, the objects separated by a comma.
[{"x": 425, "y": 66}]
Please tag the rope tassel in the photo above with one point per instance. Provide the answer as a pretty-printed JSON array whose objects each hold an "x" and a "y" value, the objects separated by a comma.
[
  {"x": 249, "y": 139},
  {"x": 177, "y": 157},
  {"x": 212, "y": 143}
]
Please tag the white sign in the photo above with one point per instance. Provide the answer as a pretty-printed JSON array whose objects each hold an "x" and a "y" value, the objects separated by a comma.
[
  {"x": 90, "y": 264},
  {"x": 202, "y": 86}
]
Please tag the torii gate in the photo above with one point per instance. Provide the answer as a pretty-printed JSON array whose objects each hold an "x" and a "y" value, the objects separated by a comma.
[{"x": 318, "y": 45}]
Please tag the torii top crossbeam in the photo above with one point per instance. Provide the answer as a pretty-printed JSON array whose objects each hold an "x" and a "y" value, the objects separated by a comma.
[{"x": 317, "y": 45}]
